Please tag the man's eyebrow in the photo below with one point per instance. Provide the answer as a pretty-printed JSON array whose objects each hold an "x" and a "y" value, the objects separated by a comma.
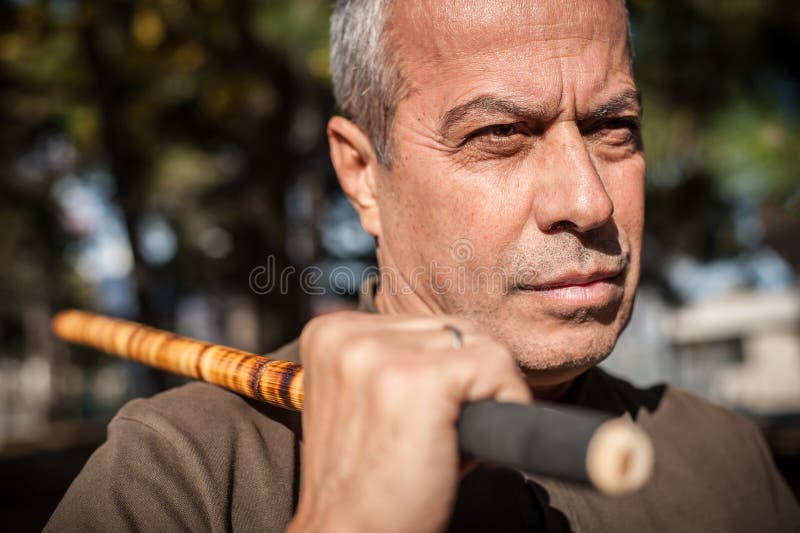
[
  {"x": 488, "y": 105},
  {"x": 628, "y": 100}
]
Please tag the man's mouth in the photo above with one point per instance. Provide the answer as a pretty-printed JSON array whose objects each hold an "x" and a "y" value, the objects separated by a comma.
[{"x": 583, "y": 288}]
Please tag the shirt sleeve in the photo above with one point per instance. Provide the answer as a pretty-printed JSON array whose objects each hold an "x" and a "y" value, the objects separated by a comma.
[
  {"x": 138, "y": 480},
  {"x": 786, "y": 508}
]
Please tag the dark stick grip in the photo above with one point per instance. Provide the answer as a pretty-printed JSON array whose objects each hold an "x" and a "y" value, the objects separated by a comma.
[{"x": 564, "y": 442}]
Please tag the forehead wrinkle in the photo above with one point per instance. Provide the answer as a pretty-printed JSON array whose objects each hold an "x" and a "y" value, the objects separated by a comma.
[
  {"x": 449, "y": 22},
  {"x": 446, "y": 30}
]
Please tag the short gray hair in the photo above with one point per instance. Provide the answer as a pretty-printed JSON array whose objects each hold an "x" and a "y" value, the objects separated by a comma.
[
  {"x": 367, "y": 81},
  {"x": 365, "y": 70}
]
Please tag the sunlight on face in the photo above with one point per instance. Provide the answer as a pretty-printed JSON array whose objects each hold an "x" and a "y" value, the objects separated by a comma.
[{"x": 518, "y": 140}]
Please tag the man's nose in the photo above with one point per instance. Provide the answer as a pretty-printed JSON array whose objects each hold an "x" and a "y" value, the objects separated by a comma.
[{"x": 570, "y": 193}]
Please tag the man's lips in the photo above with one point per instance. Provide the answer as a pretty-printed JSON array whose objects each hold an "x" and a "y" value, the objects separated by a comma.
[
  {"x": 596, "y": 288},
  {"x": 572, "y": 279}
]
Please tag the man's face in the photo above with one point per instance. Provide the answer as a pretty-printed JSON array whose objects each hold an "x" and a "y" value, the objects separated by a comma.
[{"x": 518, "y": 173}]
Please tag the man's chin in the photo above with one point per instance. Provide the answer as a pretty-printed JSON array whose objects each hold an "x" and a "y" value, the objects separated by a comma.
[
  {"x": 548, "y": 365},
  {"x": 547, "y": 373},
  {"x": 550, "y": 349}
]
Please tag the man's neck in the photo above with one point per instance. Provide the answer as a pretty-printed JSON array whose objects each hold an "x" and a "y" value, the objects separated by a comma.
[{"x": 549, "y": 392}]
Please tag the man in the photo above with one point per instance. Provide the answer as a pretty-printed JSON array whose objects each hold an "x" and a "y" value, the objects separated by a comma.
[{"x": 495, "y": 142}]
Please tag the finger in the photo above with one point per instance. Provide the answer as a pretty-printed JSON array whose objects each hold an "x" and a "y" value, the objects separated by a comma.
[{"x": 485, "y": 370}]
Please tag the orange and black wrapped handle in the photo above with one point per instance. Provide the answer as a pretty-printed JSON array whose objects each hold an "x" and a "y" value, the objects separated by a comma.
[
  {"x": 269, "y": 380},
  {"x": 564, "y": 442}
]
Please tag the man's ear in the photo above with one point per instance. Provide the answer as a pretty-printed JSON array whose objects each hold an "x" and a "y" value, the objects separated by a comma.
[{"x": 356, "y": 166}]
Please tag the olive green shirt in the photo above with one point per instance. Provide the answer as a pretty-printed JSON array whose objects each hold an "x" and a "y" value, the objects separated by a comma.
[{"x": 199, "y": 458}]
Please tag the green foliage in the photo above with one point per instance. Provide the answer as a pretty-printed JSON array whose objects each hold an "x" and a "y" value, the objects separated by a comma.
[
  {"x": 189, "y": 106},
  {"x": 300, "y": 28},
  {"x": 753, "y": 151},
  {"x": 721, "y": 88}
]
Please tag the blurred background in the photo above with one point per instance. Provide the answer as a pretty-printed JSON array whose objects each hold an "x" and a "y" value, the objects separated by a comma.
[{"x": 154, "y": 154}]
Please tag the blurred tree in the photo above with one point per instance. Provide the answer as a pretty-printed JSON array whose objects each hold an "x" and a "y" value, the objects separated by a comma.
[
  {"x": 203, "y": 113},
  {"x": 722, "y": 102}
]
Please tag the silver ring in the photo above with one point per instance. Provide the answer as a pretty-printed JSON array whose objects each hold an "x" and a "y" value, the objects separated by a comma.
[{"x": 458, "y": 337}]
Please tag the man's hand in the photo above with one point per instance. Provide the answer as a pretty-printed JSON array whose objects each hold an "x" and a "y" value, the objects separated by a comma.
[{"x": 382, "y": 395}]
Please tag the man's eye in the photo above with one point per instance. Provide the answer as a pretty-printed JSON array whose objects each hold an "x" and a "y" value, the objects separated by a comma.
[
  {"x": 496, "y": 133},
  {"x": 619, "y": 131},
  {"x": 623, "y": 123},
  {"x": 497, "y": 140},
  {"x": 502, "y": 130}
]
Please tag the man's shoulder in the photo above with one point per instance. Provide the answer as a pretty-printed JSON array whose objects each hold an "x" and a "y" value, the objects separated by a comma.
[
  {"x": 716, "y": 456},
  {"x": 668, "y": 409},
  {"x": 194, "y": 458},
  {"x": 190, "y": 402},
  {"x": 696, "y": 406},
  {"x": 686, "y": 422},
  {"x": 665, "y": 397},
  {"x": 685, "y": 414},
  {"x": 205, "y": 432},
  {"x": 198, "y": 407},
  {"x": 201, "y": 413}
]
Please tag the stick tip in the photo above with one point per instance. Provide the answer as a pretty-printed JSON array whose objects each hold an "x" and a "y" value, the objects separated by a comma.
[
  {"x": 64, "y": 323},
  {"x": 620, "y": 457},
  {"x": 60, "y": 321}
]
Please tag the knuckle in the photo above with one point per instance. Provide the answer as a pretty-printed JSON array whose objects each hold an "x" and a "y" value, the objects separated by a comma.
[
  {"x": 497, "y": 359},
  {"x": 326, "y": 330},
  {"x": 356, "y": 351},
  {"x": 328, "y": 321},
  {"x": 313, "y": 329},
  {"x": 392, "y": 377},
  {"x": 395, "y": 380}
]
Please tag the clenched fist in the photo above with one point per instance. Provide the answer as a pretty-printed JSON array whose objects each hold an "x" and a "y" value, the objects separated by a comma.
[{"x": 382, "y": 397}]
